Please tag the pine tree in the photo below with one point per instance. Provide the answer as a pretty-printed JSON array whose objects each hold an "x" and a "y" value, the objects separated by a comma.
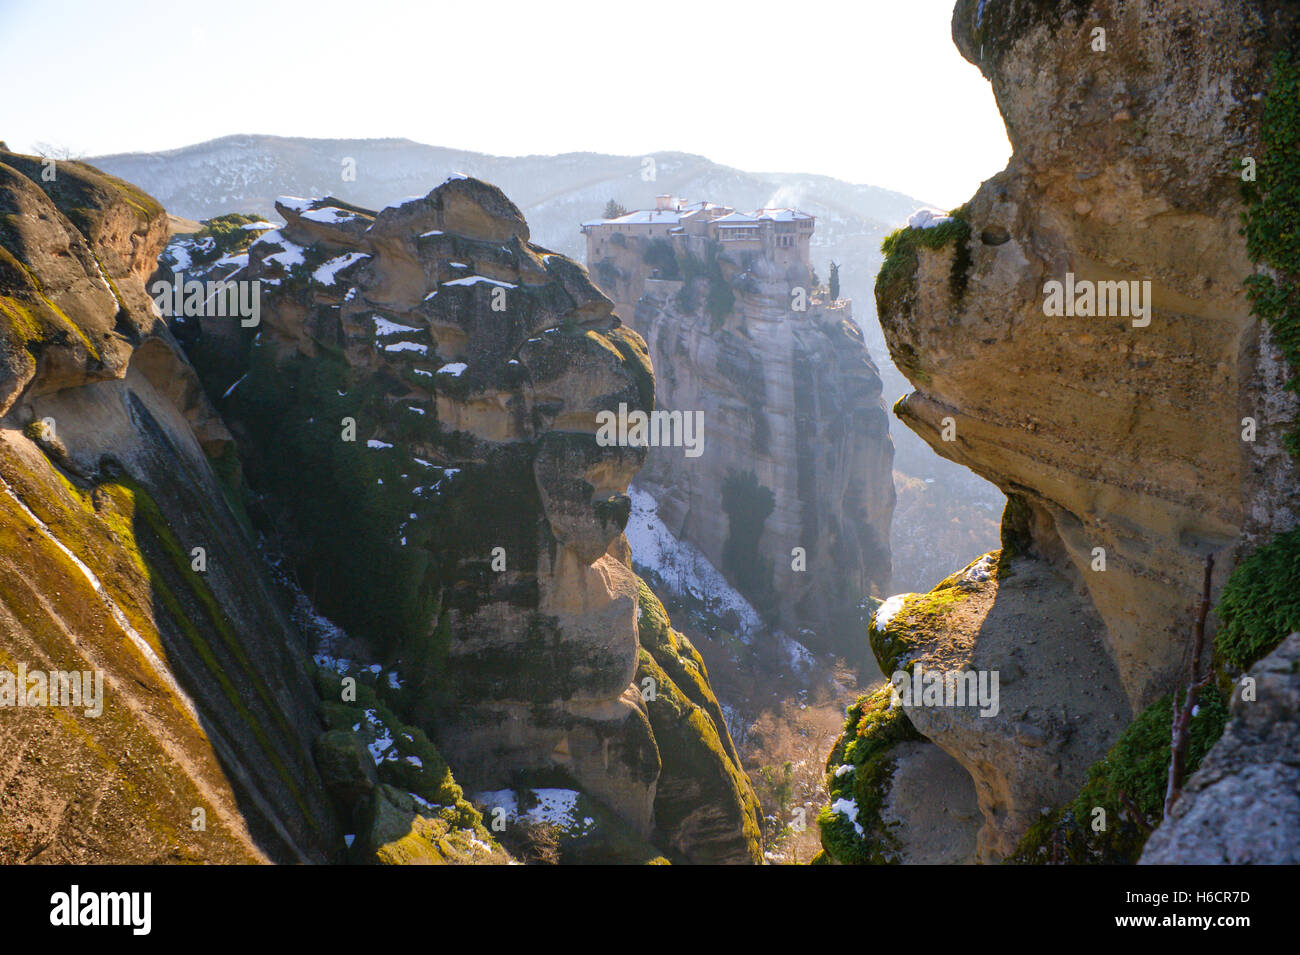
[
  {"x": 835, "y": 282},
  {"x": 613, "y": 210}
]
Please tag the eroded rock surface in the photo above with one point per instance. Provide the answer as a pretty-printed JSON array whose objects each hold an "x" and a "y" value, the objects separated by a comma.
[
  {"x": 1114, "y": 436},
  {"x": 1117, "y": 437},
  {"x": 469, "y": 524},
  {"x": 1057, "y": 703},
  {"x": 794, "y": 399}
]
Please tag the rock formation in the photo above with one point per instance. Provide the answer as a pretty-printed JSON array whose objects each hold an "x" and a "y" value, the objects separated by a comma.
[
  {"x": 1117, "y": 434},
  {"x": 944, "y": 513},
  {"x": 412, "y": 394},
  {"x": 790, "y": 403},
  {"x": 201, "y": 748},
  {"x": 419, "y": 406}
]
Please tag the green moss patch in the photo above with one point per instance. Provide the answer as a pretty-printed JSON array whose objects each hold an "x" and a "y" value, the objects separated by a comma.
[
  {"x": 699, "y": 761},
  {"x": 897, "y": 275},
  {"x": 911, "y": 626},
  {"x": 1260, "y": 603},
  {"x": 346, "y": 502},
  {"x": 852, "y": 830},
  {"x": 1272, "y": 219},
  {"x": 1128, "y": 781},
  {"x": 221, "y": 236}
]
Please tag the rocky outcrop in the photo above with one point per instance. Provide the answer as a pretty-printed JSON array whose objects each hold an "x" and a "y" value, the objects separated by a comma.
[
  {"x": 1118, "y": 437},
  {"x": 791, "y": 407},
  {"x": 894, "y": 797},
  {"x": 1110, "y": 435},
  {"x": 418, "y": 404},
  {"x": 1057, "y": 701},
  {"x": 121, "y": 559},
  {"x": 1242, "y": 807}
]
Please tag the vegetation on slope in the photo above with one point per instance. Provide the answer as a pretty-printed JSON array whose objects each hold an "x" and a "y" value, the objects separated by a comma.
[
  {"x": 898, "y": 272},
  {"x": 1260, "y": 603},
  {"x": 747, "y": 505},
  {"x": 853, "y": 832},
  {"x": 701, "y": 769},
  {"x": 1128, "y": 786}
]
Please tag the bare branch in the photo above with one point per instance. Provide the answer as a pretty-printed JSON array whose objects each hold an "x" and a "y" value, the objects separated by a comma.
[{"x": 1196, "y": 681}]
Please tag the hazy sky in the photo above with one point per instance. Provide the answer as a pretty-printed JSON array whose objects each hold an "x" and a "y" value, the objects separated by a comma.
[{"x": 871, "y": 91}]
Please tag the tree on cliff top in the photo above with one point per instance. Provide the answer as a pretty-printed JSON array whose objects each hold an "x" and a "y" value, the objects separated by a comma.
[
  {"x": 613, "y": 209},
  {"x": 835, "y": 281}
]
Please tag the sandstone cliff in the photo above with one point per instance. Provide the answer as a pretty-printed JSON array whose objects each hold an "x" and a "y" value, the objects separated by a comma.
[
  {"x": 202, "y": 749},
  {"x": 418, "y": 410},
  {"x": 791, "y": 407},
  {"x": 1118, "y": 441}
]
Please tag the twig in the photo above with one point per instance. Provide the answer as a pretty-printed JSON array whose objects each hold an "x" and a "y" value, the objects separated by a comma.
[
  {"x": 1196, "y": 681},
  {"x": 1134, "y": 811}
]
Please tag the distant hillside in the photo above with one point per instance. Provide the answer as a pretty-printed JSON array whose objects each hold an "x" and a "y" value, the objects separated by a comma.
[
  {"x": 246, "y": 173},
  {"x": 555, "y": 193}
]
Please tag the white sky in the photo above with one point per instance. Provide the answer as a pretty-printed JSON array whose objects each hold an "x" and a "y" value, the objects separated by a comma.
[{"x": 871, "y": 91}]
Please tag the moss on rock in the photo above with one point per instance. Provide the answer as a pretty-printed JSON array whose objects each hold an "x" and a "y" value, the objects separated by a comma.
[
  {"x": 402, "y": 829},
  {"x": 1260, "y": 604},
  {"x": 1128, "y": 785},
  {"x": 852, "y": 830},
  {"x": 390, "y": 776},
  {"x": 705, "y": 802},
  {"x": 897, "y": 276},
  {"x": 913, "y": 624}
]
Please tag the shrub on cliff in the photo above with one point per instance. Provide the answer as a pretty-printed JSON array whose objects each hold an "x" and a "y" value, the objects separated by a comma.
[
  {"x": 345, "y": 500},
  {"x": 704, "y": 272},
  {"x": 659, "y": 255},
  {"x": 748, "y": 505},
  {"x": 899, "y": 248},
  {"x": 1260, "y": 604},
  {"x": 221, "y": 236}
]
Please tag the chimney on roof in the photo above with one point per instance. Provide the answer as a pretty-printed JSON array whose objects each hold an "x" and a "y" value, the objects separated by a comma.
[{"x": 663, "y": 203}]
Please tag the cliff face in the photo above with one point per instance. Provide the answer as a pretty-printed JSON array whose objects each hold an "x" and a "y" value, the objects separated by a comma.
[
  {"x": 1118, "y": 437},
  {"x": 201, "y": 748},
  {"x": 444, "y": 375},
  {"x": 790, "y": 404},
  {"x": 1109, "y": 435}
]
